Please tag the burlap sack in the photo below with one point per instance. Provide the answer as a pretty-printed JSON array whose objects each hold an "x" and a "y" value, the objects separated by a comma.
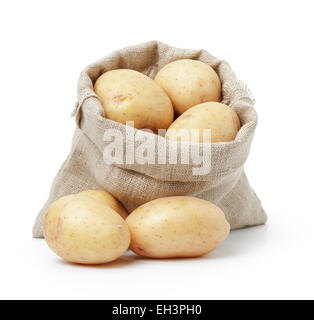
[{"x": 134, "y": 184}]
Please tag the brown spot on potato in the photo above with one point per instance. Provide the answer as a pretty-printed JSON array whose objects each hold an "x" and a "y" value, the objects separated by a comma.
[
  {"x": 140, "y": 250},
  {"x": 120, "y": 98}
]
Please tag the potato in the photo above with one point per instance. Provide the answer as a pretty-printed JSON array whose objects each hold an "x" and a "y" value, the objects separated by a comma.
[
  {"x": 188, "y": 83},
  {"x": 128, "y": 95},
  {"x": 83, "y": 230},
  {"x": 108, "y": 199},
  {"x": 223, "y": 122},
  {"x": 177, "y": 227}
]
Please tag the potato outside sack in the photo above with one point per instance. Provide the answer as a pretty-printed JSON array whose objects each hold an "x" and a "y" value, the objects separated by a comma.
[
  {"x": 81, "y": 229},
  {"x": 177, "y": 227}
]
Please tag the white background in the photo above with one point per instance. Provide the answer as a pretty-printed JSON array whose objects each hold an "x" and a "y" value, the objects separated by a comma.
[{"x": 44, "y": 47}]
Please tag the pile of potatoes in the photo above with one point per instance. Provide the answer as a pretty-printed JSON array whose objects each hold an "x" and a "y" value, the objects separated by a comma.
[
  {"x": 187, "y": 90},
  {"x": 90, "y": 228},
  {"x": 93, "y": 227}
]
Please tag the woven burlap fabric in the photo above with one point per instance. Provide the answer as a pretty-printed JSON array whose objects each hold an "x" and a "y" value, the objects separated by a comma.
[{"x": 225, "y": 185}]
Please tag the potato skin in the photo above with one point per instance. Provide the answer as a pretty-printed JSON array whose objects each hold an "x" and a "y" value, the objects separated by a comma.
[
  {"x": 188, "y": 83},
  {"x": 177, "y": 227},
  {"x": 108, "y": 199},
  {"x": 128, "y": 95},
  {"x": 223, "y": 122},
  {"x": 81, "y": 229}
]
